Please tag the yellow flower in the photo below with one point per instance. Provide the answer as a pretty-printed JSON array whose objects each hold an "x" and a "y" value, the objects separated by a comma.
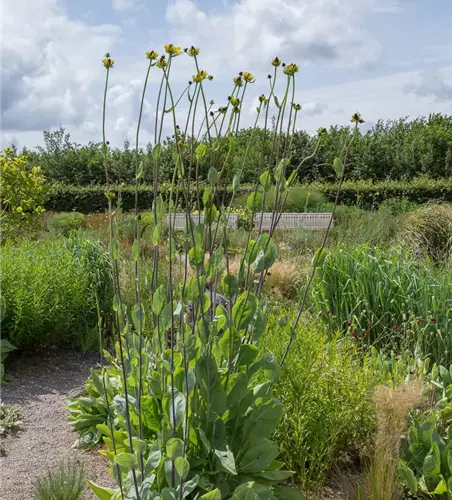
[
  {"x": 192, "y": 51},
  {"x": 173, "y": 50},
  {"x": 276, "y": 62},
  {"x": 108, "y": 63},
  {"x": 356, "y": 118},
  {"x": 238, "y": 81},
  {"x": 200, "y": 76},
  {"x": 151, "y": 55},
  {"x": 248, "y": 77},
  {"x": 291, "y": 69},
  {"x": 162, "y": 63}
]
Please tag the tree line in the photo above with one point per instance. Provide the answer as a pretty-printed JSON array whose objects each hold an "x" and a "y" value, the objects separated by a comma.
[{"x": 391, "y": 150}]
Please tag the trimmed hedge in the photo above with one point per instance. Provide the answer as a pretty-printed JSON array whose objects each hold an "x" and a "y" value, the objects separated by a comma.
[
  {"x": 89, "y": 199},
  {"x": 368, "y": 195}
]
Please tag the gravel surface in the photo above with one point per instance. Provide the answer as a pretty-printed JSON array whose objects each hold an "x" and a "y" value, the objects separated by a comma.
[{"x": 41, "y": 385}]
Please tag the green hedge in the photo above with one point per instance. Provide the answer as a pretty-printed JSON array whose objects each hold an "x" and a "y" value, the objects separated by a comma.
[
  {"x": 89, "y": 199},
  {"x": 369, "y": 195}
]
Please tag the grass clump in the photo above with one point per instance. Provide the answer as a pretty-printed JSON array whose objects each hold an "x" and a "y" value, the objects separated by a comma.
[
  {"x": 65, "y": 222},
  {"x": 381, "y": 479},
  {"x": 50, "y": 291},
  {"x": 428, "y": 233},
  {"x": 387, "y": 299},
  {"x": 65, "y": 482}
]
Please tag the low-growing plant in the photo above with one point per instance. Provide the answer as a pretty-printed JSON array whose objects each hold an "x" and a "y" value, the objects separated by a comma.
[
  {"x": 50, "y": 291},
  {"x": 325, "y": 390},
  {"x": 9, "y": 418},
  {"x": 65, "y": 482},
  {"x": 64, "y": 223},
  {"x": 5, "y": 348}
]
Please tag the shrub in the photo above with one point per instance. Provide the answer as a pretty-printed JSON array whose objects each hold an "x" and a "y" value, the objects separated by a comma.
[
  {"x": 49, "y": 291},
  {"x": 22, "y": 192},
  {"x": 354, "y": 226},
  {"x": 384, "y": 298},
  {"x": 428, "y": 232},
  {"x": 65, "y": 482},
  {"x": 325, "y": 391},
  {"x": 65, "y": 222}
]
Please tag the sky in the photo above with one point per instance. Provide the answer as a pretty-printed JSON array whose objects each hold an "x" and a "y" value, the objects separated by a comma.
[{"x": 384, "y": 58}]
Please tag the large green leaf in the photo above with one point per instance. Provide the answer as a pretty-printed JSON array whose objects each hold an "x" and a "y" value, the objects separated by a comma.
[
  {"x": 285, "y": 493},
  {"x": 158, "y": 300},
  {"x": 408, "y": 476},
  {"x": 196, "y": 257},
  {"x": 263, "y": 419},
  {"x": 244, "y": 310},
  {"x": 265, "y": 259},
  {"x": 101, "y": 492},
  {"x": 212, "y": 176},
  {"x": 254, "y": 202},
  {"x": 226, "y": 459},
  {"x": 127, "y": 461},
  {"x": 432, "y": 462},
  {"x": 258, "y": 457},
  {"x": 211, "y": 495}
]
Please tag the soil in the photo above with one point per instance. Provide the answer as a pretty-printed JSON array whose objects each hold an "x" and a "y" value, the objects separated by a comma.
[{"x": 42, "y": 383}]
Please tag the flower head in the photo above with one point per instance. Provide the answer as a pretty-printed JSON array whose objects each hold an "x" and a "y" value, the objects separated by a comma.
[
  {"x": 248, "y": 77},
  {"x": 238, "y": 81},
  {"x": 322, "y": 131},
  {"x": 262, "y": 98},
  {"x": 192, "y": 51},
  {"x": 162, "y": 63},
  {"x": 349, "y": 324},
  {"x": 108, "y": 62},
  {"x": 276, "y": 62},
  {"x": 355, "y": 335},
  {"x": 296, "y": 107},
  {"x": 151, "y": 55},
  {"x": 433, "y": 320},
  {"x": 200, "y": 76},
  {"x": 172, "y": 50},
  {"x": 356, "y": 118},
  {"x": 291, "y": 69}
]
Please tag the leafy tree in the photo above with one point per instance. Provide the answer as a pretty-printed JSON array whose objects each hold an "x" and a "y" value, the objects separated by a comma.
[{"x": 22, "y": 193}]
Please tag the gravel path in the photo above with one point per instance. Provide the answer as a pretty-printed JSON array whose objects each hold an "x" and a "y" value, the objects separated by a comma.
[{"x": 40, "y": 388}]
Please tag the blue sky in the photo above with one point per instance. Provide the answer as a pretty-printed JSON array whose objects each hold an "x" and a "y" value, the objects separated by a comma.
[{"x": 385, "y": 58}]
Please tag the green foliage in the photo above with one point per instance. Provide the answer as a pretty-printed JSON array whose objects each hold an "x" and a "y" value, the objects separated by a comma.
[
  {"x": 395, "y": 149},
  {"x": 49, "y": 291},
  {"x": 65, "y": 482},
  {"x": 354, "y": 226},
  {"x": 5, "y": 348},
  {"x": 65, "y": 222},
  {"x": 364, "y": 194},
  {"x": 384, "y": 298},
  {"x": 426, "y": 449},
  {"x": 325, "y": 389},
  {"x": 9, "y": 418},
  {"x": 22, "y": 192}
]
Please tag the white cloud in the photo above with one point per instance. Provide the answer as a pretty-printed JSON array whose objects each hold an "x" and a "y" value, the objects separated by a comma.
[
  {"x": 123, "y": 4},
  {"x": 313, "y": 108},
  {"x": 436, "y": 84},
  {"x": 50, "y": 66},
  {"x": 252, "y": 32}
]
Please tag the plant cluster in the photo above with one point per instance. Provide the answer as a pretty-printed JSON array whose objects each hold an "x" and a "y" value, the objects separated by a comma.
[{"x": 187, "y": 399}]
